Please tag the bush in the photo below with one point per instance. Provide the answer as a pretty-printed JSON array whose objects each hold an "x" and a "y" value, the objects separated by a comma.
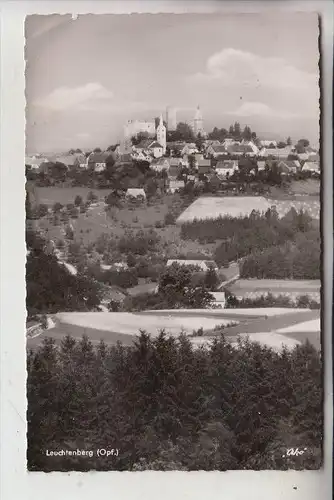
[{"x": 169, "y": 219}]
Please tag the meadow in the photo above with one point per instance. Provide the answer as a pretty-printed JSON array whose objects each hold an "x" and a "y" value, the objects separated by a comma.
[{"x": 241, "y": 206}]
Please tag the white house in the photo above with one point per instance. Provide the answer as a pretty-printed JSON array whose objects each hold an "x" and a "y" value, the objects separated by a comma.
[
  {"x": 204, "y": 265},
  {"x": 311, "y": 166},
  {"x": 226, "y": 168},
  {"x": 135, "y": 193}
]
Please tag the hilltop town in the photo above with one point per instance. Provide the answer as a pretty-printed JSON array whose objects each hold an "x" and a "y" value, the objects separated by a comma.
[{"x": 165, "y": 197}]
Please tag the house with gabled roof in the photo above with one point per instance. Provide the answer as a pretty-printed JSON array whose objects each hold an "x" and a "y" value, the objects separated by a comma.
[
  {"x": 97, "y": 161},
  {"x": 216, "y": 150},
  {"x": 277, "y": 153},
  {"x": 289, "y": 166},
  {"x": 159, "y": 164},
  {"x": 189, "y": 148},
  {"x": 226, "y": 168}
]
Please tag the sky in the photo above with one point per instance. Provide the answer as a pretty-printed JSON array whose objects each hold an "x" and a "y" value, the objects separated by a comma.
[{"x": 86, "y": 77}]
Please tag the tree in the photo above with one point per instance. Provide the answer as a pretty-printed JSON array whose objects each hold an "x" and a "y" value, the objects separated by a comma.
[
  {"x": 175, "y": 286},
  {"x": 92, "y": 197},
  {"x": 199, "y": 142},
  {"x": 57, "y": 207},
  {"x": 42, "y": 210},
  {"x": 78, "y": 200},
  {"x": 97, "y": 150},
  {"x": 211, "y": 280},
  {"x": 247, "y": 133},
  {"x": 289, "y": 141},
  {"x": 281, "y": 145},
  {"x": 183, "y": 132}
]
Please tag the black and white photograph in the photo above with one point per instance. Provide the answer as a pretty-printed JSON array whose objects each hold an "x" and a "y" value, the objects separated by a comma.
[{"x": 173, "y": 242}]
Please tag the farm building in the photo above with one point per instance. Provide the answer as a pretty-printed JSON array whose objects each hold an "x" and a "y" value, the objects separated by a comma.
[
  {"x": 210, "y": 207},
  {"x": 204, "y": 265},
  {"x": 253, "y": 288},
  {"x": 135, "y": 193}
]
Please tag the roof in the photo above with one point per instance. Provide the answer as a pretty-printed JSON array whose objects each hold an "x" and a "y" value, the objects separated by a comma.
[
  {"x": 174, "y": 161},
  {"x": 226, "y": 164},
  {"x": 203, "y": 169},
  {"x": 80, "y": 158},
  {"x": 314, "y": 157},
  {"x": 219, "y": 148},
  {"x": 98, "y": 157},
  {"x": 204, "y": 163},
  {"x": 311, "y": 165},
  {"x": 144, "y": 144},
  {"x": 155, "y": 144},
  {"x": 159, "y": 161},
  {"x": 174, "y": 171},
  {"x": 240, "y": 148},
  {"x": 135, "y": 192},
  {"x": 278, "y": 152}
]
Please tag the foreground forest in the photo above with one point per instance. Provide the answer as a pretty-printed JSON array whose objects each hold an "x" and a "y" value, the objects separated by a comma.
[{"x": 166, "y": 405}]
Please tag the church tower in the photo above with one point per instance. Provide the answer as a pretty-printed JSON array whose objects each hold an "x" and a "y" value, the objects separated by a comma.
[
  {"x": 198, "y": 123},
  {"x": 161, "y": 134}
]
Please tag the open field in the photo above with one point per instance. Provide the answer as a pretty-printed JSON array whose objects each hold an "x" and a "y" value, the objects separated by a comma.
[
  {"x": 50, "y": 195},
  {"x": 210, "y": 207},
  {"x": 130, "y": 323},
  {"x": 245, "y": 286},
  {"x": 272, "y": 326}
]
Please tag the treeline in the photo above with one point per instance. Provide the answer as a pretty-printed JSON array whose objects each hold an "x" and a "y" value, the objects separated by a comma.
[
  {"x": 242, "y": 235},
  {"x": 297, "y": 260},
  {"x": 165, "y": 405},
  {"x": 51, "y": 287},
  {"x": 270, "y": 300}
]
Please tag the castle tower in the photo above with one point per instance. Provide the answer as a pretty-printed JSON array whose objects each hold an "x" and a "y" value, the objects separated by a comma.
[
  {"x": 198, "y": 123},
  {"x": 161, "y": 134},
  {"x": 171, "y": 119}
]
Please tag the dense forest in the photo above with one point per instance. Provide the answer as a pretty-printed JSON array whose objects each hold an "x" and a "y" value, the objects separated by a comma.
[
  {"x": 298, "y": 259},
  {"x": 165, "y": 405},
  {"x": 243, "y": 235}
]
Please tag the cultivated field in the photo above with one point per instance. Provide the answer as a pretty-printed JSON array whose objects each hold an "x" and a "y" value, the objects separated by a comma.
[{"x": 208, "y": 207}]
